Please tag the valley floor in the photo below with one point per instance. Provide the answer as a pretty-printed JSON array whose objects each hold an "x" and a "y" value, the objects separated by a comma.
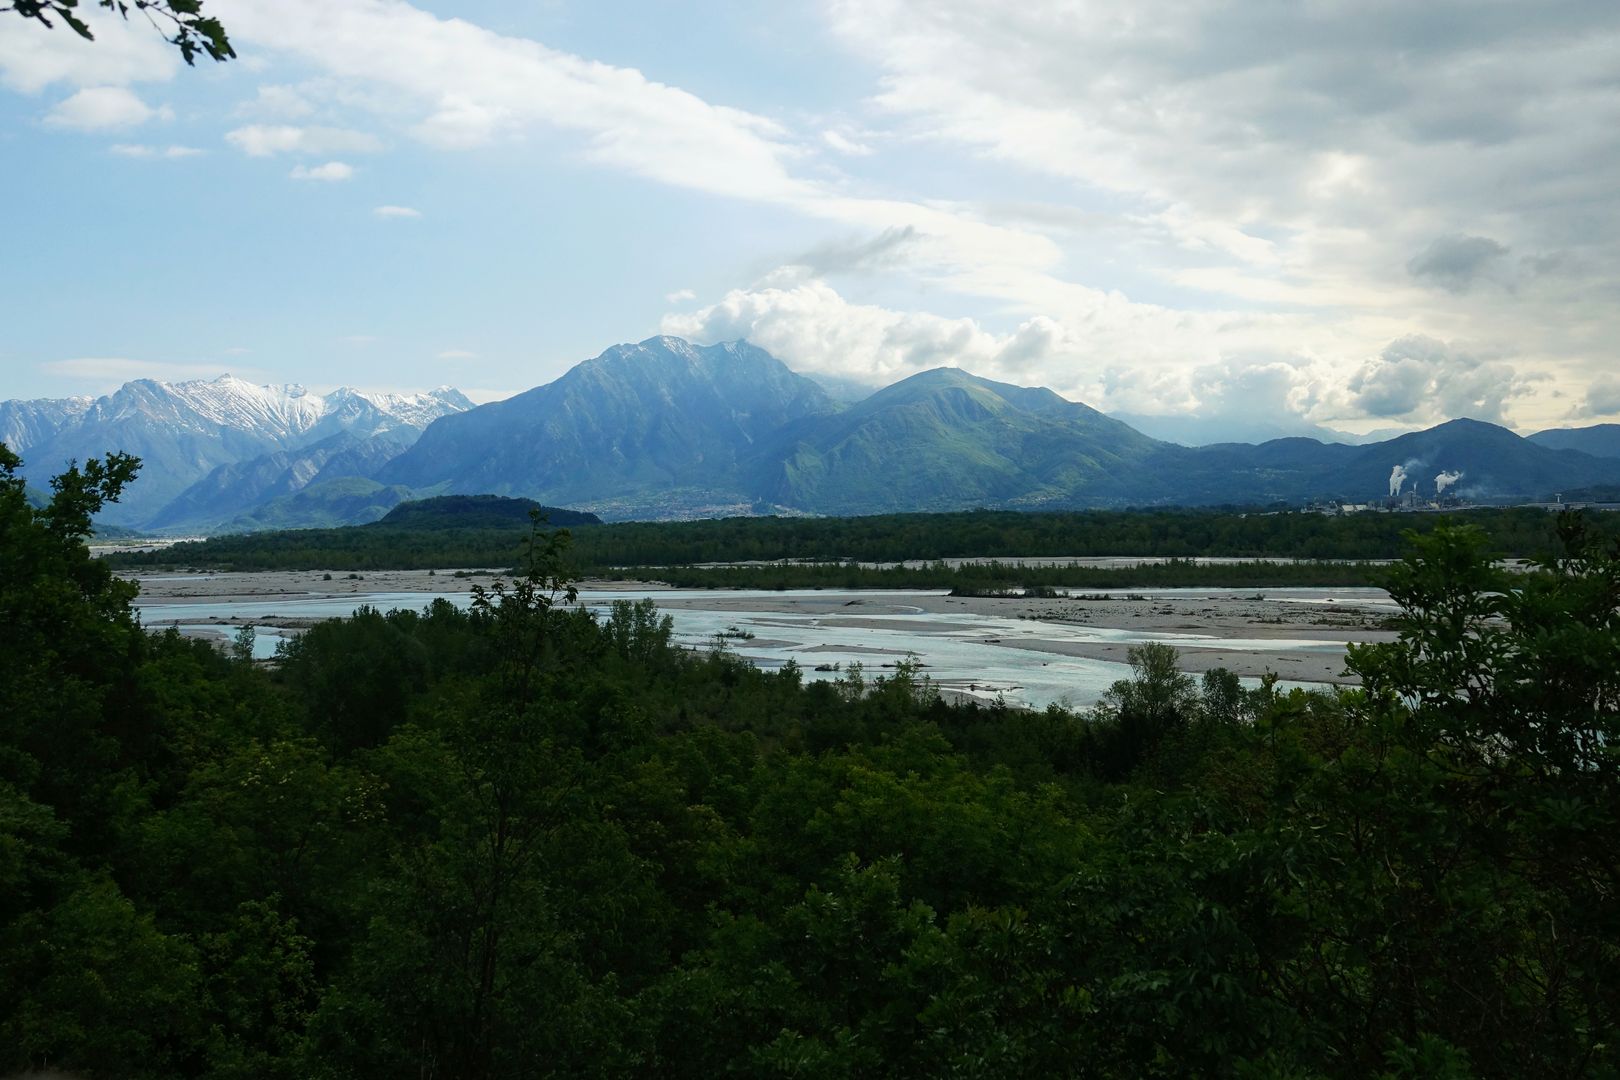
[{"x": 1297, "y": 633}]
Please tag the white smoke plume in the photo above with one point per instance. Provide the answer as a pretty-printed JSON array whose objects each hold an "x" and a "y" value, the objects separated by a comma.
[
  {"x": 1445, "y": 480},
  {"x": 1397, "y": 477}
]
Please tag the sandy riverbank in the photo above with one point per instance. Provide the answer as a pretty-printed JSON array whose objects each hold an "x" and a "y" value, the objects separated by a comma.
[
  {"x": 1294, "y": 629},
  {"x": 1289, "y": 631}
]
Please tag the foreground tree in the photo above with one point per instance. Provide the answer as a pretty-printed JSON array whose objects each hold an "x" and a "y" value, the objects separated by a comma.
[
  {"x": 1506, "y": 687},
  {"x": 66, "y": 637}
]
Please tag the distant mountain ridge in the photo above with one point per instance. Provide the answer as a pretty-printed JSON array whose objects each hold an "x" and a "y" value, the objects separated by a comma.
[
  {"x": 659, "y": 426},
  {"x": 1599, "y": 440},
  {"x": 668, "y": 429},
  {"x": 25, "y": 424},
  {"x": 184, "y": 431}
]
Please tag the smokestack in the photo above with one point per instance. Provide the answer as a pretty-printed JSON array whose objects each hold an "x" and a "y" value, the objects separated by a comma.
[
  {"x": 1445, "y": 480},
  {"x": 1397, "y": 477}
]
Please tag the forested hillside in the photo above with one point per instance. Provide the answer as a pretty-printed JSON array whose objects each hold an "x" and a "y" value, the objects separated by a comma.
[{"x": 521, "y": 841}]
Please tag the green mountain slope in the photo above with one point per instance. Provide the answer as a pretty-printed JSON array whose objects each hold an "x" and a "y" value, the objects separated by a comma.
[
  {"x": 352, "y": 500},
  {"x": 1599, "y": 440},
  {"x": 943, "y": 439}
]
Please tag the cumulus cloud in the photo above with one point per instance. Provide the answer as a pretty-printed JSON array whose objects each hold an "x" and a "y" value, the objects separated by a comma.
[
  {"x": 812, "y": 328},
  {"x": 1269, "y": 394},
  {"x": 1455, "y": 262},
  {"x": 104, "y": 108},
  {"x": 1413, "y": 380},
  {"x": 266, "y": 140},
  {"x": 396, "y": 212},
  {"x": 330, "y": 172},
  {"x": 1602, "y": 398},
  {"x": 1274, "y": 157},
  {"x": 1420, "y": 378},
  {"x": 680, "y": 296}
]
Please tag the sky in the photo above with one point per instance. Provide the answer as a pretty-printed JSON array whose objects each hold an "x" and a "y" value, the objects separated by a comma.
[{"x": 1361, "y": 216}]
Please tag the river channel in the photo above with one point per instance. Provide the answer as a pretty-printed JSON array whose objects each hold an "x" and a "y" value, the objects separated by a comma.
[{"x": 1030, "y": 654}]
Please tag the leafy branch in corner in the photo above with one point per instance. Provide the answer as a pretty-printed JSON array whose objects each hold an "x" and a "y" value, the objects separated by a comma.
[{"x": 193, "y": 32}]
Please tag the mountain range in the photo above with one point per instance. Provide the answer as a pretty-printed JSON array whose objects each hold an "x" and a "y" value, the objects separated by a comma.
[
  {"x": 665, "y": 429},
  {"x": 211, "y": 450}
]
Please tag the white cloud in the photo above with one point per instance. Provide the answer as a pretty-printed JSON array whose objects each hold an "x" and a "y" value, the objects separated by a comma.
[
  {"x": 137, "y": 150},
  {"x": 266, "y": 140},
  {"x": 455, "y": 85},
  {"x": 843, "y": 144},
  {"x": 1282, "y": 160},
  {"x": 123, "y": 52},
  {"x": 104, "y": 108},
  {"x": 812, "y": 328},
  {"x": 330, "y": 172},
  {"x": 468, "y": 86},
  {"x": 107, "y": 373},
  {"x": 680, "y": 296},
  {"x": 1097, "y": 357},
  {"x": 396, "y": 212},
  {"x": 1265, "y": 184},
  {"x": 278, "y": 102},
  {"x": 1602, "y": 398},
  {"x": 1422, "y": 379}
]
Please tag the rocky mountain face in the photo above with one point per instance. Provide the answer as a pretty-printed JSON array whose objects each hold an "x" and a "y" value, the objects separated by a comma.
[
  {"x": 26, "y": 424},
  {"x": 237, "y": 488},
  {"x": 660, "y": 428},
  {"x": 184, "y": 431}
]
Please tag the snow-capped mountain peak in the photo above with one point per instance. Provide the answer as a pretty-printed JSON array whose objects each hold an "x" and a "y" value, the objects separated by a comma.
[{"x": 182, "y": 431}]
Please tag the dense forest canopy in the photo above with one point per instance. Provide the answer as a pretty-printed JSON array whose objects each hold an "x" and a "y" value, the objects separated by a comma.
[
  {"x": 521, "y": 840},
  {"x": 886, "y": 538}
]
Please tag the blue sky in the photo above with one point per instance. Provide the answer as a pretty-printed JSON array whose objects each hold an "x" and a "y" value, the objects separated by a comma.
[{"x": 1351, "y": 215}]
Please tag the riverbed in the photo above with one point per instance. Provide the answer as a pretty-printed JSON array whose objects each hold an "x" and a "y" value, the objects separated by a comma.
[{"x": 1029, "y": 652}]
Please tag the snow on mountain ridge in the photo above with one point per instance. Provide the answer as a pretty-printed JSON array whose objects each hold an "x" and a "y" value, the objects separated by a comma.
[
  {"x": 280, "y": 414},
  {"x": 26, "y": 423}
]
